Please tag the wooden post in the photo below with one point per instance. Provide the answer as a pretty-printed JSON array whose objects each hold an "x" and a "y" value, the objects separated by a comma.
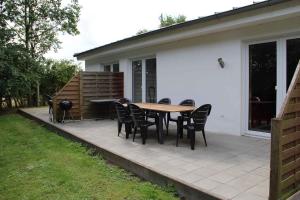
[{"x": 275, "y": 164}]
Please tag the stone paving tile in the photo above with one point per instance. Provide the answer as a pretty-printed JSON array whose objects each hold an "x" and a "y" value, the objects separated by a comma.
[
  {"x": 248, "y": 196},
  {"x": 190, "y": 177},
  {"x": 222, "y": 177},
  {"x": 207, "y": 184},
  {"x": 245, "y": 182},
  {"x": 260, "y": 189},
  {"x": 206, "y": 171},
  {"x": 226, "y": 191},
  {"x": 234, "y": 167},
  {"x": 265, "y": 172}
]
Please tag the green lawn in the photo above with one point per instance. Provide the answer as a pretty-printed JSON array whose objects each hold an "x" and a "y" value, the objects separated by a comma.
[{"x": 38, "y": 164}]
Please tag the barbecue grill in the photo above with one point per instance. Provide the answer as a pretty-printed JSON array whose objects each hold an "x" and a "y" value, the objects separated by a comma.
[{"x": 66, "y": 106}]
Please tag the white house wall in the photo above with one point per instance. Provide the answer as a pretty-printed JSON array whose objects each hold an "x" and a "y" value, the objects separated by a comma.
[
  {"x": 94, "y": 66},
  {"x": 189, "y": 69},
  {"x": 193, "y": 72}
]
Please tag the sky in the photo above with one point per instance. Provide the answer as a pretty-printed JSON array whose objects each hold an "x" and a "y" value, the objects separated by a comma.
[{"x": 103, "y": 22}]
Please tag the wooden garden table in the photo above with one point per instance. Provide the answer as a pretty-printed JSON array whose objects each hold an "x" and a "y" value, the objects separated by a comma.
[{"x": 162, "y": 109}]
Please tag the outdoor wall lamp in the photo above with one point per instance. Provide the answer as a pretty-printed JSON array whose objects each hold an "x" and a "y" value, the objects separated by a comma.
[{"x": 221, "y": 62}]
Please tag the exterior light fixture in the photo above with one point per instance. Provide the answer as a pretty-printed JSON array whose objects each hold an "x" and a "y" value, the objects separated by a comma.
[{"x": 221, "y": 62}]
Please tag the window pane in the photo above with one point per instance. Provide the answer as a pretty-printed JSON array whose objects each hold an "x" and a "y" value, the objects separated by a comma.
[
  {"x": 116, "y": 68},
  {"x": 107, "y": 68},
  {"x": 262, "y": 82},
  {"x": 137, "y": 81},
  {"x": 292, "y": 59},
  {"x": 151, "y": 80}
]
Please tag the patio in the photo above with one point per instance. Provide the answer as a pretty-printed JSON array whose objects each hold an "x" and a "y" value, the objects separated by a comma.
[{"x": 231, "y": 167}]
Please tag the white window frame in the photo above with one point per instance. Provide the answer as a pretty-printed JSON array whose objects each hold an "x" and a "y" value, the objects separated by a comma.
[
  {"x": 111, "y": 64},
  {"x": 280, "y": 78},
  {"x": 143, "y": 59}
]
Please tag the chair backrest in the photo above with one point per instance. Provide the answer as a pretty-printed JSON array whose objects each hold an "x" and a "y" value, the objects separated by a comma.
[
  {"x": 187, "y": 102},
  {"x": 122, "y": 112},
  {"x": 165, "y": 101},
  {"x": 124, "y": 100},
  {"x": 200, "y": 115},
  {"x": 138, "y": 115}
]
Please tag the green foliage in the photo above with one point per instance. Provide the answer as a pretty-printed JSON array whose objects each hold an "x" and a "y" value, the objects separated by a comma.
[
  {"x": 38, "y": 164},
  {"x": 55, "y": 74},
  {"x": 168, "y": 20},
  {"x": 142, "y": 31},
  {"x": 28, "y": 30}
]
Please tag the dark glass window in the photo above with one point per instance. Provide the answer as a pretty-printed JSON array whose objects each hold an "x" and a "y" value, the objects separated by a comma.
[
  {"x": 107, "y": 68},
  {"x": 292, "y": 58},
  {"x": 137, "y": 81},
  {"x": 116, "y": 68},
  {"x": 262, "y": 82},
  {"x": 151, "y": 80}
]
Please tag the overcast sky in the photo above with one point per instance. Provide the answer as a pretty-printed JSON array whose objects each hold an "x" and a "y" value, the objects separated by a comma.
[{"x": 103, "y": 22}]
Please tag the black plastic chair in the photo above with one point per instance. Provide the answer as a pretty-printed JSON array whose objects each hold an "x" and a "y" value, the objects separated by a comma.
[
  {"x": 153, "y": 114},
  {"x": 185, "y": 116},
  {"x": 199, "y": 117},
  {"x": 139, "y": 120},
  {"x": 124, "y": 101},
  {"x": 123, "y": 118}
]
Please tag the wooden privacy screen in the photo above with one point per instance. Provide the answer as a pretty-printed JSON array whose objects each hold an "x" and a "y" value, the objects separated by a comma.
[
  {"x": 71, "y": 91},
  {"x": 88, "y": 86},
  {"x": 285, "y": 144},
  {"x": 99, "y": 85}
]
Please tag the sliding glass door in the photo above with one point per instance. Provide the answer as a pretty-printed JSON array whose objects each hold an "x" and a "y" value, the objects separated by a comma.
[
  {"x": 144, "y": 80},
  {"x": 270, "y": 69},
  {"x": 137, "y": 81},
  {"x": 292, "y": 58},
  {"x": 151, "y": 80},
  {"x": 262, "y": 83}
]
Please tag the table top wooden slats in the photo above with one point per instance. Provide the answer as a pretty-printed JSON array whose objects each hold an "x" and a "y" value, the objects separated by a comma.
[{"x": 164, "y": 107}]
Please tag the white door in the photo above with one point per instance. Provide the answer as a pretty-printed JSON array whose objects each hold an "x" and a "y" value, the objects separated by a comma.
[
  {"x": 144, "y": 87},
  {"x": 269, "y": 70}
]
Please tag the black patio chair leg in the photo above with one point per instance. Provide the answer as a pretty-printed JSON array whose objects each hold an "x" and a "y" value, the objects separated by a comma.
[
  {"x": 134, "y": 132},
  {"x": 119, "y": 127},
  {"x": 192, "y": 138},
  {"x": 144, "y": 131},
  {"x": 165, "y": 120},
  {"x": 180, "y": 126},
  {"x": 178, "y": 133},
  {"x": 127, "y": 129},
  {"x": 203, "y": 133},
  {"x": 157, "y": 128}
]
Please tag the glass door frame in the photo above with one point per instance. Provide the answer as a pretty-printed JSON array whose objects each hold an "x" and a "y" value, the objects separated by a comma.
[
  {"x": 143, "y": 59},
  {"x": 281, "y": 76}
]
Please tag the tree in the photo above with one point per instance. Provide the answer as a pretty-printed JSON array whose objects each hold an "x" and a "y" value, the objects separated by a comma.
[
  {"x": 55, "y": 74},
  {"x": 28, "y": 30},
  {"x": 169, "y": 20},
  {"x": 142, "y": 31}
]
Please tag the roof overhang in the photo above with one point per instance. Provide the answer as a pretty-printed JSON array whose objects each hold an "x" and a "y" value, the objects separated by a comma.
[{"x": 249, "y": 15}]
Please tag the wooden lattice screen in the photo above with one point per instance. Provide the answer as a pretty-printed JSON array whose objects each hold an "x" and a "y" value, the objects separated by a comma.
[
  {"x": 285, "y": 144},
  {"x": 88, "y": 86},
  {"x": 70, "y": 91},
  {"x": 99, "y": 85}
]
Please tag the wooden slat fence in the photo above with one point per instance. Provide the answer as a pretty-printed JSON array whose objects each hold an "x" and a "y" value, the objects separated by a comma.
[
  {"x": 71, "y": 91},
  {"x": 88, "y": 86},
  {"x": 99, "y": 85},
  {"x": 285, "y": 144}
]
